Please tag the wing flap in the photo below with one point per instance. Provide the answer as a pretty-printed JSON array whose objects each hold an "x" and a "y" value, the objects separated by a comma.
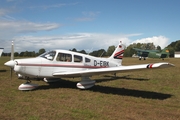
[{"x": 98, "y": 71}]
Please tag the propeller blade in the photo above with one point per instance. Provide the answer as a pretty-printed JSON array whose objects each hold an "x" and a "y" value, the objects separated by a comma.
[
  {"x": 11, "y": 63},
  {"x": 11, "y": 72},
  {"x": 12, "y": 57},
  {"x": 12, "y": 51}
]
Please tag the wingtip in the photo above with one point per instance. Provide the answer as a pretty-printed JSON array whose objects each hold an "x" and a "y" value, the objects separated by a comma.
[
  {"x": 164, "y": 65},
  {"x": 160, "y": 65},
  {"x": 170, "y": 64}
]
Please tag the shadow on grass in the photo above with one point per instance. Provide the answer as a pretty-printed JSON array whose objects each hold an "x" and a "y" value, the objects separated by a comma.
[
  {"x": 109, "y": 90},
  {"x": 130, "y": 92},
  {"x": 110, "y": 78},
  {"x": 3, "y": 70}
]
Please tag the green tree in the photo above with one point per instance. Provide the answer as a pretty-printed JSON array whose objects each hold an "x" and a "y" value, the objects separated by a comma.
[
  {"x": 129, "y": 51},
  {"x": 82, "y": 51},
  {"x": 16, "y": 54},
  {"x": 101, "y": 53},
  {"x": 158, "y": 48},
  {"x": 171, "y": 51},
  {"x": 21, "y": 54},
  {"x": 74, "y": 49},
  {"x": 173, "y": 44},
  {"x": 25, "y": 54},
  {"x": 177, "y": 46},
  {"x": 33, "y": 54},
  {"x": 41, "y": 51},
  {"x": 94, "y": 53},
  {"x": 110, "y": 50}
]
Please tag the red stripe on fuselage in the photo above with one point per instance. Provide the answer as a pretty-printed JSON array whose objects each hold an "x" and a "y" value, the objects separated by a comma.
[{"x": 60, "y": 65}]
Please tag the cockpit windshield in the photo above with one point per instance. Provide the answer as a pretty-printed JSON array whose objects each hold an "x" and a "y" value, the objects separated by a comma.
[{"x": 48, "y": 55}]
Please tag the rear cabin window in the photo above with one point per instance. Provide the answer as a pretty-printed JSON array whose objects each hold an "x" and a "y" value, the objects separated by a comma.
[
  {"x": 78, "y": 58},
  {"x": 64, "y": 57},
  {"x": 87, "y": 60}
]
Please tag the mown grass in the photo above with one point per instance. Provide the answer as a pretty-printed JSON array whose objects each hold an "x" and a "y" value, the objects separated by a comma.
[{"x": 139, "y": 95}]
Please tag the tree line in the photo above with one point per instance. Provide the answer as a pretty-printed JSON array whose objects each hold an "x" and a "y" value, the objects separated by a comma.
[
  {"x": 26, "y": 53},
  {"x": 129, "y": 51}
]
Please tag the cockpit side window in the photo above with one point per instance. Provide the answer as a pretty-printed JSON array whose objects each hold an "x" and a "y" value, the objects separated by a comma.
[
  {"x": 64, "y": 57},
  {"x": 87, "y": 60},
  {"x": 78, "y": 58},
  {"x": 49, "y": 55}
]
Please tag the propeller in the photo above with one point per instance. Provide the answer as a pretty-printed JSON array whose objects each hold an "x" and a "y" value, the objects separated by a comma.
[
  {"x": 12, "y": 51},
  {"x": 11, "y": 63},
  {"x": 12, "y": 57}
]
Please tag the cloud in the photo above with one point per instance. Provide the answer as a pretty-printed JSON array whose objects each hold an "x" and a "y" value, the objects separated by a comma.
[
  {"x": 12, "y": 28},
  {"x": 87, "y": 16},
  {"x": 26, "y": 26},
  {"x": 3, "y": 12},
  {"x": 162, "y": 41},
  {"x": 58, "y": 5},
  {"x": 49, "y": 6},
  {"x": 90, "y": 13},
  {"x": 80, "y": 41},
  {"x": 84, "y": 19},
  {"x": 10, "y": 0}
]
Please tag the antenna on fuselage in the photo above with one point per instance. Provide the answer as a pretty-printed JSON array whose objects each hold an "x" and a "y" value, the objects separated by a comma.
[
  {"x": 102, "y": 53},
  {"x": 90, "y": 50}
]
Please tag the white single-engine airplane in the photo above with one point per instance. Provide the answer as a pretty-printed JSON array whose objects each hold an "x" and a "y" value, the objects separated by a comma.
[{"x": 56, "y": 64}]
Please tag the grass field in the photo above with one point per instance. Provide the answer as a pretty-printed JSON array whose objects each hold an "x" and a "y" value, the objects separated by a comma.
[{"x": 139, "y": 95}]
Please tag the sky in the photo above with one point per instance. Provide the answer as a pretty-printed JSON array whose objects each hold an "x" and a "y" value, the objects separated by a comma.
[{"x": 87, "y": 24}]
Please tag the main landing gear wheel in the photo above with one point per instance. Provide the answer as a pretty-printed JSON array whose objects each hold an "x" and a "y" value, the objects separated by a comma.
[
  {"x": 85, "y": 83},
  {"x": 28, "y": 86}
]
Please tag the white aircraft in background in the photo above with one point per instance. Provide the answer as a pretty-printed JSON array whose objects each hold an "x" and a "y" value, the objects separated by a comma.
[
  {"x": 56, "y": 64},
  {"x": 1, "y": 50}
]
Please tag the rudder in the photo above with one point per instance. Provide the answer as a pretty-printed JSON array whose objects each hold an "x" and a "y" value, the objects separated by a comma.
[{"x": 117, "y": 55}]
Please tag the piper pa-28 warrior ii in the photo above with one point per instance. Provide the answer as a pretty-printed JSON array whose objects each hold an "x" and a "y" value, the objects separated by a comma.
[{"x": 56, "y": 64}]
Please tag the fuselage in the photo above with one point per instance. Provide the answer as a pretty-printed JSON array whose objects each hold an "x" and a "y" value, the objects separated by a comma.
[
  {"x": 158, "y": 55},
  {"x": 152, "y": 53},
  {"x": 59, "y": 61}
]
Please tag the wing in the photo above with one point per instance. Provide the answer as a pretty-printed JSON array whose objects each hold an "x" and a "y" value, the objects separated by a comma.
[
  {"x": 144, "y": 50},
  {"x": 142, "y": 53},
  {"x": 112, "y": 70}
]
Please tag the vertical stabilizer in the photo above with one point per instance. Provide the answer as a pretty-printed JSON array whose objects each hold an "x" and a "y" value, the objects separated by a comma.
[
  {"x": 118, "y": 53},
  {"x": 165, "y": 50}
]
